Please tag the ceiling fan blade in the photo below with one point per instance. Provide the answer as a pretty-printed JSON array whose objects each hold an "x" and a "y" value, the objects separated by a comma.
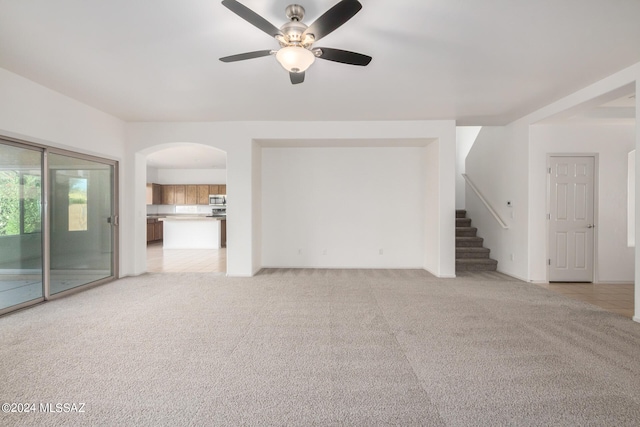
[
  {"x": 253, "y": 18},
  {"x": 343, "y": 56},
  {"x": 296, "y": 78},
  {"x": 333, "y": 18},
  {"x": 247, "y": 55}
]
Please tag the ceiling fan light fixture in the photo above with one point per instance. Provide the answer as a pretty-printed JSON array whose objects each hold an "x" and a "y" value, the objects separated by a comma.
[{"x": 295, "y": 59}]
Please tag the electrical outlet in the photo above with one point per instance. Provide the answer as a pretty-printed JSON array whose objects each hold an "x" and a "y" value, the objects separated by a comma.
[
  {"x": 381, "y": 252},
  {"x": 324, "y": 252},
  {"x": 513, "y": 257},
  {"x": 299, "y": 251}
]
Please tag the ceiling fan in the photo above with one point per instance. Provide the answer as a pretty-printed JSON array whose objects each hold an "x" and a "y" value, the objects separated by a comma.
[{"x": 296, "y": 39}]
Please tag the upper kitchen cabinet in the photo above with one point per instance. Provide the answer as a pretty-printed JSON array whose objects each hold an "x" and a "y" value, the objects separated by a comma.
[
  {"x": 154, "y": 194},
  {"x": 168, "y": 194},
  {"x": 191, "y": 195},
  {"x": 157, "y": 194},
  {"x": 203, "y": 194},
  {"x": 180, "y": 194}
]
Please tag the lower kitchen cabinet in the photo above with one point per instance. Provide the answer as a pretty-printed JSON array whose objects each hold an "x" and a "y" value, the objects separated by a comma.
[
  {"x": 150, "y": 231},
  {"x": 155, "y": 230},
  {"x": 158, "y": 230}
]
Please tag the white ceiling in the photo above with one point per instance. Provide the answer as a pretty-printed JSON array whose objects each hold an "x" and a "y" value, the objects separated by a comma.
[
  {"x": 188, "y": 156},
  {"x": 479, "y": 62}
]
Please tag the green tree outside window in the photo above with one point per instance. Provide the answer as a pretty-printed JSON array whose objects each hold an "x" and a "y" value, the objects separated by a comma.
[{"x": 20, "y": 203}]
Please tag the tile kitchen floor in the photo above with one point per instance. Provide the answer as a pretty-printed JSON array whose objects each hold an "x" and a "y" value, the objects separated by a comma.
[
  {"x": 185, "y": 260},
  {"x": 617, "y": 298}
]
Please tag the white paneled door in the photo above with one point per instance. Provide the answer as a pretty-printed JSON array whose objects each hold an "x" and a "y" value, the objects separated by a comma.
[{"x": 571, "y": 218}]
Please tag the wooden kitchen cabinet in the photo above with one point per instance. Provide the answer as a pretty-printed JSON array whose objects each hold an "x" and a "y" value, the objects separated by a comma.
[
  {"x": 168, "y": 194},
  {"x": 203, "y": 195},
  {"x": 158, "y": 230},
  {"x": 155, "y": 230},
  {"x": 191, "y": 195},
  {"x": 223, "y": 233},
  {"x": 154, "y": 194},
  {"x": 149, "y": 194},
  {"x": 150, "y": 231},
  {"x": 156, "y": 190},
  {"x": 180, "y": 191}
]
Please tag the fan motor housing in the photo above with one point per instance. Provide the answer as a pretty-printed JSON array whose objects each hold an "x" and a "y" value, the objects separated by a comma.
[
  {"x": 292, "y": 31},
  {"x": 295, "y": 12}
]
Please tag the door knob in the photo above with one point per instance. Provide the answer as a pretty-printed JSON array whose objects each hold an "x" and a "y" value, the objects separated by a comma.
[{"x": 590, "y": 226}]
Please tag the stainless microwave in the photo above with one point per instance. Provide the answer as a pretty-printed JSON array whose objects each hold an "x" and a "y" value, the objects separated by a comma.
[{"x": 217, "y": 199}]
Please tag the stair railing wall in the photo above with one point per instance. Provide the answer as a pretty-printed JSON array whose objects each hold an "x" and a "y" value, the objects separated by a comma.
[{"x": 485, "y": 202}]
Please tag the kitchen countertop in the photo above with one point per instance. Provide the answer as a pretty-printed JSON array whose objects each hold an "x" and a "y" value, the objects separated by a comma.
[
  {"x": 192, "y": 218},
  {"x": 183, "y": 217}
]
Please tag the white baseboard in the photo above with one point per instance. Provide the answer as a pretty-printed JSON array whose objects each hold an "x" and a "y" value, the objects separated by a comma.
[
  {"x": 613, "y": 282},
  {"x": 514, "y": 276}
]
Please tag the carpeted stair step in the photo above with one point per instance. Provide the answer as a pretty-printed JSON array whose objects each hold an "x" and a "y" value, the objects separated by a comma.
[
  {"x": 469, "y": 242},
  {"x": 466, "y": 231},
  {"x": 472, "y": 253},
  {"x": 476, "y": 264},
  {"x": 463, "y": 222}
]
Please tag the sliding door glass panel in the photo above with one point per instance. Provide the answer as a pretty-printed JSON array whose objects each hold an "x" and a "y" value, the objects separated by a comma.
[
  {"x": 81, "y": 210},
  {"x": 21, "y": 278}
]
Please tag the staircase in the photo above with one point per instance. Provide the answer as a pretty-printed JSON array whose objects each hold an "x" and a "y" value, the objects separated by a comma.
[{"x": 470, "y": 254}]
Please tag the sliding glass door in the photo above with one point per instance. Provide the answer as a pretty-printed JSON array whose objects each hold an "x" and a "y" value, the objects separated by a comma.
[
  {"x": 81, "y": 209},
  {"x": 21, "y": 278},
  {"x": 58, "y": 218}
]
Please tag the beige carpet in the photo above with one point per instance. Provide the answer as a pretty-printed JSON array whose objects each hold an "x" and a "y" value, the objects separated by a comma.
[{"x": 321, "y": 347}]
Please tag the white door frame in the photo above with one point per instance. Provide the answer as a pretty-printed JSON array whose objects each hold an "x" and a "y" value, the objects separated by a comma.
[{"x": 596, "y": 180}]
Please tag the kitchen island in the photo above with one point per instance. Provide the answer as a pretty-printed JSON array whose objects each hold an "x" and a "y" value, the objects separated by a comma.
[{"x": 191, "y": 232}]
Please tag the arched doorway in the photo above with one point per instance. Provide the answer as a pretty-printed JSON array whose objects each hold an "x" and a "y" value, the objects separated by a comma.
[{"x": 186, "y": 232}]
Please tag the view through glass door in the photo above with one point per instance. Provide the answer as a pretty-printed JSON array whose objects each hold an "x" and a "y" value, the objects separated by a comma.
[
  {"x": 21, "y": 278},
  {"x": 58, "y": 228},
  {"x": 81, "y": 209}
]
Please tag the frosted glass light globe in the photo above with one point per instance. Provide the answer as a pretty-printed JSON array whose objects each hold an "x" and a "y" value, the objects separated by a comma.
[{"x": 295, "y": 59}]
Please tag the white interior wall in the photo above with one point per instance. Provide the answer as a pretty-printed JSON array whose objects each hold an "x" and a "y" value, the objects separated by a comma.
[
  {"x": 190, "y": 176},
  {"x": 515, "y": 183},
  {"x": 497, "y": 165},
  {"x": 256, "y": 205},
  {"x": 612, "y": 143},
  {"x": 431, "y": 217},
  {"x": 465, "y": 137},
  {"x": 631, "y": 199},
  {"x": 36, "y": 114},
  {"x": 238, "y": 139},
  {"x": 341, "y": 207},
  {"x": 152, "y": 175},
  {"x": 636, "y": 316}
]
